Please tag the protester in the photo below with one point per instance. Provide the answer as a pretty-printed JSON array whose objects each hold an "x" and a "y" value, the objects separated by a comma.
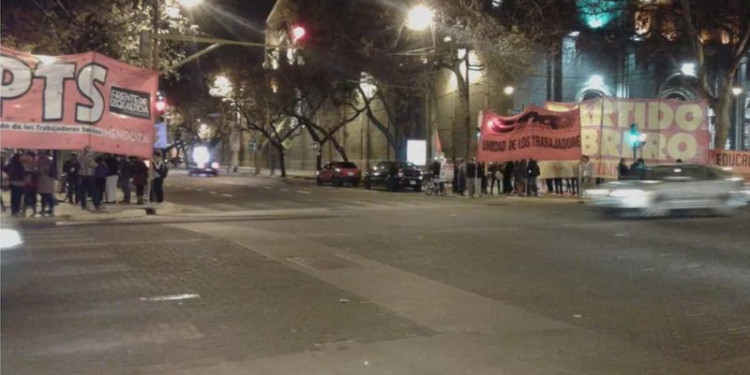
[
  {"x": 495, "y": 178},
  {"x": 15, "y": 171},
  {"x": 520, "y": 169},
  {"x": 507, "y": 176},
  {"x": 455, "y": 186},
  {"x": 100, "y": 177},
  {"x": 622, "y": 170},
  {"x": 30, "y": 179},
  {"x": 472, "y": 174},
  {"x": 462, "y": 177},
  {"x": 160, "y": 173},
  {"x": 558, "y": 182},
  {"x": 140, "y": 175},
  {"x": 111, "y": 180},
  {"x": 46, "y": 183},
  {"x": 71, "y": 168},
  {"x": 532, "y": 172},
  {"x": 87, "y": 187},
  {"x": 125, "y": 171}
]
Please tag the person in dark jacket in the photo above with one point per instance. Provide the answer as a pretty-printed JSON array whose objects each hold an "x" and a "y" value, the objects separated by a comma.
[
  {"x": 472, "y": 175},
  {"x": 30, "y": 179},
  {"x": 160, "y": 173},
  {"x": 638, "y": 169},
  {"x": 100, "y": 176},
  {"x": 622, "y": 170},
  {"x": 532, "y": 172},
  {"x": 125, "y": 171},
  {"x": 71, "y": 178},
  {"x": 520, "y": 172},
  {"x": 140, "y": 176},
  {"x": 15, "y": 171},
  {"x": 110, "y": 193}
]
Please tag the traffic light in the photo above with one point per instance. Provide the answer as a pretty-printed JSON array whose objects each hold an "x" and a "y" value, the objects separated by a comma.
[
  {"x": 635, "y": 137},
  {"x": 298, "y": 33},
  {"x": 161, "y": 102}
]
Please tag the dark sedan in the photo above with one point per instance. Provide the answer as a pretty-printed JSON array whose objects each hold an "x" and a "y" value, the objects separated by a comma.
[{"x": 394, "y": 175}]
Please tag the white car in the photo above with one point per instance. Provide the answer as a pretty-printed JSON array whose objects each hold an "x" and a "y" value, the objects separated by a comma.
[{"x": 668, "y": 188}]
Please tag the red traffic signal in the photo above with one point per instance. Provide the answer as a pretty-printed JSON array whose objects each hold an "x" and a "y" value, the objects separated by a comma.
[{"x": 298, "y": 33}]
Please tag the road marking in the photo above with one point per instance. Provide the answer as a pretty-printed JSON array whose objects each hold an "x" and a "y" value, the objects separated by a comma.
[
  {"x": 227, "y": 195},
  {"x": 201, "y": 190},
  {"x": 171, "y": 297},
  {"x": 212, "y": 192},
  {"x": 267, "y": 188},
  {"x": 303, "y": 192},
  {"x": 284, "y": 189},
  {"x": 370, "y": 191}
]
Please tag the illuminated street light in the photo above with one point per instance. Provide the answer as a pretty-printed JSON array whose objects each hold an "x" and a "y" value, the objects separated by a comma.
[
  {"x": 688, "y": 69},
  {"x": 736, "y": 91},
  {"x": 596, "y": 81},
  {"x": 508, "y": 90},
  {"x": 189, "y": 3},
  {"x": 221, "y": 87},
  {"x": 419, "y": 18}
]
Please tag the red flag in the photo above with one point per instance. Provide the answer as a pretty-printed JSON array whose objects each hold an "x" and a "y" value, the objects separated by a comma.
[{"x": 438, "y": 146}]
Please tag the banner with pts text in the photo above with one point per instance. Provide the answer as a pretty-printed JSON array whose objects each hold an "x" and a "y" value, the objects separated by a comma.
[
  {"x": 673, "y": 130},
  {"x": 535, "y": 133},
  {"x": 73, "y": 101}
]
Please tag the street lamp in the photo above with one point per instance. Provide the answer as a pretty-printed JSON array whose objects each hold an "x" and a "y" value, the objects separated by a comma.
[
  {"x": 508, "y": 90},
  {"x": 419, "y": 18},
  {"x": 736, "y": 91}
]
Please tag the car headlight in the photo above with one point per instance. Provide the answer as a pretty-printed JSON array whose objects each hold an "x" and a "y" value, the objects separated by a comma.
[
  {"x": 628, "y": 193},
  {"x": 215, "y": 165}
]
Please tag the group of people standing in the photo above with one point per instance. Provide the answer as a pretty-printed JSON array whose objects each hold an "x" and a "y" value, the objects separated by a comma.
[
  {"x": 84, "y": 177},
  {"x": 476, "y": 179}
]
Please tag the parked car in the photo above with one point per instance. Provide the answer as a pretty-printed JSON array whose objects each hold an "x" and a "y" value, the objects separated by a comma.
[
  {"x": 394, "y": 175},
  {"x": 665, "y": 189},
  {"x": 339, "y": 173}
]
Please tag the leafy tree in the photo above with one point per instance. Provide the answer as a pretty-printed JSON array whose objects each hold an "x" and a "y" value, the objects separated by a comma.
[{"x": 111, "y": 27}]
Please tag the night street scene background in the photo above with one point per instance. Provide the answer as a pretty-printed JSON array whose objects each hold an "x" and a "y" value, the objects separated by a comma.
[{"x": 375, "y": 187}]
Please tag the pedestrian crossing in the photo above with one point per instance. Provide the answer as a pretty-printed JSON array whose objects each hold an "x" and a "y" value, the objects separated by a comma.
[{"x": 338, "y": 204}]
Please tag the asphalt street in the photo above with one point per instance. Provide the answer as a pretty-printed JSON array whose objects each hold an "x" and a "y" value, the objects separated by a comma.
[{"x": 263, "y": 276}]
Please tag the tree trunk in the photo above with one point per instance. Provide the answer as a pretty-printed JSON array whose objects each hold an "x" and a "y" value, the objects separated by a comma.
[
  {"x": 281, "y": 161},
  {"x": 723, "y": 117},
  {"x": 464, "y": 107},
  {"x": 340, "y": 149}
]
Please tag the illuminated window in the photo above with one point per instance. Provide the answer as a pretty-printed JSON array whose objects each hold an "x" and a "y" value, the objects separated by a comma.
[
  {"x": 642, "y": 22},
  {"x": 497, "y": 3}
]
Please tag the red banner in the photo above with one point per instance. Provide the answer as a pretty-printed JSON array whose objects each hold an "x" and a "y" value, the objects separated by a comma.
[
  {"x": 69, "y": 102},
  {"x": 736, "y": 161},
  {"x": 536, "y": 133},
  {"x": 672, "y": 130}
]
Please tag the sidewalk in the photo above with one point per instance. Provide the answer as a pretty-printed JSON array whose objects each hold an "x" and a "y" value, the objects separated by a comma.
[{"x": 73, "y": 212}]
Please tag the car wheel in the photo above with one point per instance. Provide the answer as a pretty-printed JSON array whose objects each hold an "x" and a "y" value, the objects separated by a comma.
[
  {"x": 355, "y": 183},
  {"x": 418, "y": 188},
  {"x": 368, "y": 184},
  {"x": 336, "y": 181},
  {"x": 318, "y": 181}
]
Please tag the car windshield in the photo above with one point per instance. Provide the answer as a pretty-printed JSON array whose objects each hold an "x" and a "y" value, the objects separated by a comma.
[
  {"x": 345, "y": 164},
  {"x": 676, "y": 173}
]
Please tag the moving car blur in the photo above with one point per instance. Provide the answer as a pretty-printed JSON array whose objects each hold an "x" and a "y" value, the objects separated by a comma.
[
  {"x": 202, "y": 163},
  {"x": 666, "y": 189},
  {"x": 394, "y": 175},
  {"x": 338, "y": 173}
]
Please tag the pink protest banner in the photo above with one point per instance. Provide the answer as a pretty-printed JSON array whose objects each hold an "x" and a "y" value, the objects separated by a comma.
[
  {"x": 72, "y": 101},
  {"x": 673, "y": 130},
  {"x": 535, "y": 133},
  {"x": 736, "y": 161}
]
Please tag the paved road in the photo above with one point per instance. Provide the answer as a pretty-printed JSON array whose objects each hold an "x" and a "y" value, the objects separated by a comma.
[{"x": 271, "y": 277}]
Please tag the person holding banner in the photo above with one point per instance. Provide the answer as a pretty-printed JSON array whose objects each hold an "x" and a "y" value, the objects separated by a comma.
[{"x": 15, "y": 171}]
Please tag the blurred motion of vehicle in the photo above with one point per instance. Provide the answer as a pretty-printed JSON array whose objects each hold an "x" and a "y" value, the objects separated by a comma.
[
  {"x": 10, "y": 238},
  {"x": 665, "y": 189},
  {"x": 338, "y": 173},
  {"x": 394, "y": 175},
  {"x": 202, "y": 163}
]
